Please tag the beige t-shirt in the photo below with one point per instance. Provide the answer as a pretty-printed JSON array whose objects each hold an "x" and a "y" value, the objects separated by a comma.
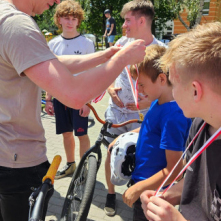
[{"x": 22, "y": 141}]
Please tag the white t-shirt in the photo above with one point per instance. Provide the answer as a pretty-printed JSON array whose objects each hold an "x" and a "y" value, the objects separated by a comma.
[
  {"x": 77, "y": 45},
  {"x": 122, "y": 81}
]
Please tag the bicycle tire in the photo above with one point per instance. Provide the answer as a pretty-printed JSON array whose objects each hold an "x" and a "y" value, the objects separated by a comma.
[{"x": 80, "y": 193}]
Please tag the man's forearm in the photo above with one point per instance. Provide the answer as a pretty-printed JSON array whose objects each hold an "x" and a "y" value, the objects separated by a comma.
[
  {"x": 74, "y": 92},
  {"x": 79, "y": 63}
]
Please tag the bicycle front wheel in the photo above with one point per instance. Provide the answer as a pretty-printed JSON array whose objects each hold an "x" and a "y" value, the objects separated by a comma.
[{"x": 80, "y": 193}]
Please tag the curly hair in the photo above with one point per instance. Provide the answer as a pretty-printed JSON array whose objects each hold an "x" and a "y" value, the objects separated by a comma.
[{"x": 68, "y": 8}]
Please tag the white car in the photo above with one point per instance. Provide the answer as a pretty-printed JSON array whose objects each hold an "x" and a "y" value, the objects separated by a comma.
[{"x": 92, "y": 37}]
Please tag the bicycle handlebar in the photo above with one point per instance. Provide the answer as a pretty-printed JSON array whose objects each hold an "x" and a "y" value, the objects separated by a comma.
[
  {"x": 37, "y": 198},
  {"x": 113, "y": 125},
  {"x": 53, "y": 169}
]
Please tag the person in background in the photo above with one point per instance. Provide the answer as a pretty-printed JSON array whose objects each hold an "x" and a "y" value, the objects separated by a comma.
[
  {"x": 68, "y": 17},
  {"x": 110, "y": 30}
]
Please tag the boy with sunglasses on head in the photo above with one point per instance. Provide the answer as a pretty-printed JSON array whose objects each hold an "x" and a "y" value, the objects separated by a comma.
[
  {"x": 163, "y": 132},
  {"x": 194, "y": 63}
]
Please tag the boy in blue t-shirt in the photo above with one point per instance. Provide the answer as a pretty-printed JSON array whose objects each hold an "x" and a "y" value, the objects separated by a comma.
[{"x": 162, "y": 135}]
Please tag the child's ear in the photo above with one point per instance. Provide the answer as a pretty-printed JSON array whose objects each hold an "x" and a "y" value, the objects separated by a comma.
[
  {"x": 142, "y": 20},
  {"x": 163, "y": 78},
  {"x": 197, "y": 91}
]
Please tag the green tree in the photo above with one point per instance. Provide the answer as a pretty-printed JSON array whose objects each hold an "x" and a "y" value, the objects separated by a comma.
[
  {"x": 46, "y": 20},
  {"x": 194, "y": 10}
]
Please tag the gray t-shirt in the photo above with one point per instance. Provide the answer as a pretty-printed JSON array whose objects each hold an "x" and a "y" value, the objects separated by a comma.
[
  {"x": 201, "y": 196},
  {"x": 22, "y": 141}
]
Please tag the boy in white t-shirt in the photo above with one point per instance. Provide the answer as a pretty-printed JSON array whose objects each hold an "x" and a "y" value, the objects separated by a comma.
[{"x": 68, "y": 17}]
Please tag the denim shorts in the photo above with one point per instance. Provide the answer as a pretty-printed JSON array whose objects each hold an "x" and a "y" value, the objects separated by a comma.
[{"x": 111, "y": 38}]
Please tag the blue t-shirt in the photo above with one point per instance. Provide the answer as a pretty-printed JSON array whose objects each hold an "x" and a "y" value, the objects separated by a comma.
[{"x": 164, "y": 128}]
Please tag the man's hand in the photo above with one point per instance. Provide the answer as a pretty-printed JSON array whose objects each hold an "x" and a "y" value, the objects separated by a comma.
[
  {"x": 133, "y": 52},
  {"x": 114, "y": 96},
  {"x": 156, "y": 208},
  {"x": 49, "y": 108},
  {"x": 84, "y": 111},
  {"x": 131, "y": 195}
]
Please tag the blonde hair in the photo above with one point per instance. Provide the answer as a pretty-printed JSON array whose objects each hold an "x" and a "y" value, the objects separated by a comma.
[
  {"x": 139, "y": 8},
  {"x": 196, "y": 54},
  {"x": 150, "y": 65},
  {"x": 68, "y": 8}
]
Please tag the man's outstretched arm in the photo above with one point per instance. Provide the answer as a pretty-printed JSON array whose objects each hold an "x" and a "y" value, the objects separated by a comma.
[{"x": 57, "y": 80}]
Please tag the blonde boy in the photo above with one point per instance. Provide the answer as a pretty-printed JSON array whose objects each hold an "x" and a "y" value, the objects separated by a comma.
[{"x": 194, "y": 64}]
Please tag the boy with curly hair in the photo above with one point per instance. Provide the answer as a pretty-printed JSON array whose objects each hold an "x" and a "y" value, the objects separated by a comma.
[{"x": 68, "y": 17}]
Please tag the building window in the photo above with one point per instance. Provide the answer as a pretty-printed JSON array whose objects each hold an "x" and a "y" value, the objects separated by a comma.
[{"x": 206, "y": 7}]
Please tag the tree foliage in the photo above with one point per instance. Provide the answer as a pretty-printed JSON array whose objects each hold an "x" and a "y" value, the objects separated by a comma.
[
  {"x": 46, "y": 20},
  {"x": 194, "y": 9},
  {"x": 95, "y": 19}
]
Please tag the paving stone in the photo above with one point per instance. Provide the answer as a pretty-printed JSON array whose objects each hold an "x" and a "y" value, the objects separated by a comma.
[{"x": 55, "y": 146}]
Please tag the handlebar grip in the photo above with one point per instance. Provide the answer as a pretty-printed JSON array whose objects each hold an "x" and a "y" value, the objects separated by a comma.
[{"x": 53, "y": 169}]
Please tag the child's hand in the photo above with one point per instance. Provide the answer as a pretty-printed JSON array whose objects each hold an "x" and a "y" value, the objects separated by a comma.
[
  {"x": 156, "y": 208},
  {"x": 131, "y": 195},
  {"x": 144, "y": 102},
  {"x": 131, "y": 106},
  {"x": 84, "y": 111},
  {"x": 49, "y": 108},
  {"x": 110, "y": 147},
  {"x": 114, "y": 96}
]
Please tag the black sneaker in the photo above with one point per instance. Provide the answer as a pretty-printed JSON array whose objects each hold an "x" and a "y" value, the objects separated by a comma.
[
  {"x": 66, "y": 170},
  {"x": 110, "y": 206}
]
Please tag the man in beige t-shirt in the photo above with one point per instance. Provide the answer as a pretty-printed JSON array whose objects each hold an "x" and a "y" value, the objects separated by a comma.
[{"x": 27, "y": 63}]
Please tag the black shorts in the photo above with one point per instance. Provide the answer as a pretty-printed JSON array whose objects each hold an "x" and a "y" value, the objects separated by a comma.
[{"x": 68, "y": 119}]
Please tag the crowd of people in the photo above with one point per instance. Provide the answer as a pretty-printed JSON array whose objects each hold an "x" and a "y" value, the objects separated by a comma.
[{"x": 179, "y": 98}]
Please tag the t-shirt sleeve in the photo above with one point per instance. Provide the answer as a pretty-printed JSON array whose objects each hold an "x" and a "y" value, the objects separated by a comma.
[
  {"x": 174, "y": 132},
  {"x": 111, "y": 20},
  {"x": 24, "y": 45},
  {"x": 90, "y": 47}
]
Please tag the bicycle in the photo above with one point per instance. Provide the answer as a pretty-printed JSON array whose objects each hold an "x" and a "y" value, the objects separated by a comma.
[
  {"x": 80, "y": 192},
  {"x": 38, "y": 197}
]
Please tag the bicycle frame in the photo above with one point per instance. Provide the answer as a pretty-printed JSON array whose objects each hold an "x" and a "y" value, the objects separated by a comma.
[
  {"x": 96, "y": 148},
  {"x": 80, "y": 192}
]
